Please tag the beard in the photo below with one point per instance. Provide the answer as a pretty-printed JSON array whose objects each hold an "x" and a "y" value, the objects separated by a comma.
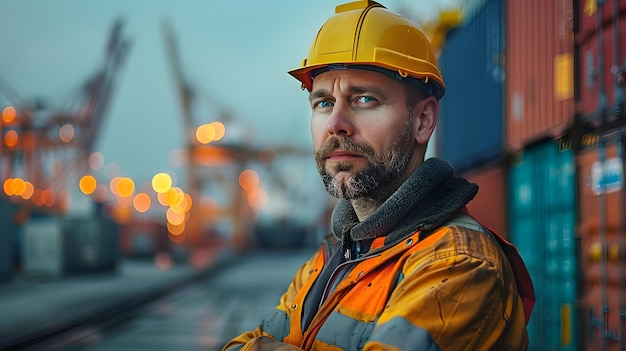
[{"x": 371, "y": 181}]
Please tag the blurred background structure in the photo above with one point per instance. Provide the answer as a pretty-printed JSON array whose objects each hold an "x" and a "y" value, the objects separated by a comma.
[{"x": 172, "y": 133}]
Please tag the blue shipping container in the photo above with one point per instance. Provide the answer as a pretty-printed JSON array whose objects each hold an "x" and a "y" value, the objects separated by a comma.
[
  {"x": 470, "y": 130},
  {"x": 542, "y": 219}
]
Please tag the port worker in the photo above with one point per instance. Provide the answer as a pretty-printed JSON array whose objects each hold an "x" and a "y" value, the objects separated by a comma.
[{"x": 406, "y": 267}]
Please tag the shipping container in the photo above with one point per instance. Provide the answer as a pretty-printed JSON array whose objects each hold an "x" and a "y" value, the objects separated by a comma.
[
  {"x": 602, "y": 244},
  {"x": 53, "y": 247},
  {"x": 470, "y": 128},
  {"x": 542, "y": 218},
  {"x": 539, "y": 71},
  {"x": 489, "y": 205},
  {"x": 601, "y": 55},
  {"x": 91, "y": 245},
  {"x": 42, "y": 248}
]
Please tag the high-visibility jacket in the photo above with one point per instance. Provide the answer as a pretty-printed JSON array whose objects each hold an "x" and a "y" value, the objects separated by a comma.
[{"x": 453, "y": 288}]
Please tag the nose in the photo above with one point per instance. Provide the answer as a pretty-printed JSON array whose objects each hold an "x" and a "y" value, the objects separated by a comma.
[{"x": 339, "y": 121}]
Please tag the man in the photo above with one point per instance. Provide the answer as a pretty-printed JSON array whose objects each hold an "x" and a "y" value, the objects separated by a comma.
[{"x": 406, "y": 267}]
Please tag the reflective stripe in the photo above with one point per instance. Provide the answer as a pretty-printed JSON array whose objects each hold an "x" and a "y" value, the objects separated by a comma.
[
  {"x": 345, "y": 332},
  {"x": 398, "y": 332},
  {"x": 276, "y": 325}
]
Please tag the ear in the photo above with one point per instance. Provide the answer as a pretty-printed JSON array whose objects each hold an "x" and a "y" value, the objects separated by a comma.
[{"x": 426, "y": 114}]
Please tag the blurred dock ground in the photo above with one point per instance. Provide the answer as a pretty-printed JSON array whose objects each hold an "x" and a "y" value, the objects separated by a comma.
[{"x": 35, "y": 308}]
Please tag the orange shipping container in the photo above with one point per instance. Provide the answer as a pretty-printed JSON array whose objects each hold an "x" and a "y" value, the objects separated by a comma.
[
  {"x": 601, "y": 230},
  {"x": 489, "y": 206},
  {"x": 539, "y": 70}
]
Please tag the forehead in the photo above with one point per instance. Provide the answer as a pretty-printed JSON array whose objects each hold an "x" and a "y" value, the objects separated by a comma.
[{"x": 349, "y": 78}]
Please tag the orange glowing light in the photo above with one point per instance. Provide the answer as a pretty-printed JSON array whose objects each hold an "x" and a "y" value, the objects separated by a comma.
[
  {"x": 125, "y": 187},
  {"x": 161, "y": 182},
  {"x": 18, "y": 186},
  {"x": 113, "y": 185},
  {"x": 161, "y": 199},
  {"x": 142, "y": 202},
  {"x": 187, "y": 202},
  {"x": 66, "y": 133},
  {"x": 8, "y": 114},
  {"x": 28, "y": 190},
  {"x": 257, "y": 198},
  {"x": 219, "y": 130},
  {"x": 175, "y": 229},
  {"x": 37, "y": 197},
  {"x": 49, "y": 197},
  {"x": 7, "y": 186},
  {"x": 248, "y": 179},
  {"x": 205, "y": 134},
  {"x": 11, "y": 138},
  {"x": 96, "y": 161},
  {"x": 174, "y": 217},
  {"x": 174, "y": 196},
  {"x": 87, "y": 184}
]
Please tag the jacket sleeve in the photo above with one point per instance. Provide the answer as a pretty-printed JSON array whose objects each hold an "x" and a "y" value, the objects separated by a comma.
[
  {"x": 455, "y": 297},
  {"x": 275, "y": 326}
]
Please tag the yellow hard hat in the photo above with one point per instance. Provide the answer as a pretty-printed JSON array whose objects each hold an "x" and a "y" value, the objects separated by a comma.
[{"x": 364, "y": 34}]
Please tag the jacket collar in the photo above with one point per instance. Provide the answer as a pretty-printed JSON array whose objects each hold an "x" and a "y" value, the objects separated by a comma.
[{"x": 427, "y": 198}]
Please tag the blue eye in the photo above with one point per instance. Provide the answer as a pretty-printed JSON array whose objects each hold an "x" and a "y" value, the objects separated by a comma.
[
  {"x": 366, "y": 99},
  {"x": 324, "y": 104}
]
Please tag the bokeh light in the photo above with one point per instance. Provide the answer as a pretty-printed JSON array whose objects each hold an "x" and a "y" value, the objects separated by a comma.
[
  {"x": 28, "y": 191},
  {"x": 11, "y": 138},
  {"x": 125, "y": 187},
  {"x": 142, "y": 202},
  {"x": 66, "y": 133},
  {"x": 87, "y": 184},
  {"x": 96, "y": 161},
  {"x": 113, "y": 185},
  {"x": 257, "y": 198},
  {"x": 161, "y": 182},
  {"x": 173, "y": 197},
  {"x": 219, "y": 130},
  {"x": 8, "y": 114},
  {"x": 248, "y": 179},
  {"x": 174, "y": 217}
]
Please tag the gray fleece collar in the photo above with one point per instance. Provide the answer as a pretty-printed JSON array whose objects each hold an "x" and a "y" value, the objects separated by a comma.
[{"x": 428, "y": 197}]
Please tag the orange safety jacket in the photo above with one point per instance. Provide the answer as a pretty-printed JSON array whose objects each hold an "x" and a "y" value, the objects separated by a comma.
[{"x": 457, "y": 287}]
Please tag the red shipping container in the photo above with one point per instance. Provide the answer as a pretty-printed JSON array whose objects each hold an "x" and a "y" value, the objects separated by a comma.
[
  {"x": 601, "y": 231},
  {"x": 489, "y": 206},
  {"x": 539, "y": 70},
  {"x": 601, "y": 55}
]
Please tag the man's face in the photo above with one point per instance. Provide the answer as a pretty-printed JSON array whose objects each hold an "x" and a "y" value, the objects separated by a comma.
[{"x": 362, "y": 133}]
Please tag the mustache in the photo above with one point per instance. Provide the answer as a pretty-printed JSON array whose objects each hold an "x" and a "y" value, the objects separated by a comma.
[{"x": 346, "y": 144}]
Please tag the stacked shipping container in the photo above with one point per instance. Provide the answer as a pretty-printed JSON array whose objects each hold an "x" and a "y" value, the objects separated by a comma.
[
  {"x": 601, "y": 229},
  {"x": 542, "y": 205},
  {"x": 551, "y": 117},
  {"x": 542, "y": 211},
  {"x": 471, "y": 125},
  {"x": 601, "y": 60}
]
